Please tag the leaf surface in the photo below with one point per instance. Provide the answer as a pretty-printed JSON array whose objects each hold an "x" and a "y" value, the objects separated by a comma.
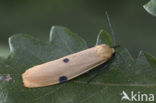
[
  {"x": 150, "y": 7},
  {"x": 123, "y": 74}
]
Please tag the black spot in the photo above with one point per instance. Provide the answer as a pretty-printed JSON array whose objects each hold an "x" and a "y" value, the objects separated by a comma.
[
  {"x": 63, "y": 79},
  {"x": 66, "y": 60}
]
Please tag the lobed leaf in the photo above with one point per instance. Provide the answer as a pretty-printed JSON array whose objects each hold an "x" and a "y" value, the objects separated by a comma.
[{"x": 123, "y": 74}]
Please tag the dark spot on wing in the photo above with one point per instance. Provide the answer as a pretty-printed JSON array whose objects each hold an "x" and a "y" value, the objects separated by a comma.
[
  {"x": 66, "y": 60},
  {"x": 63, "y": 79}
]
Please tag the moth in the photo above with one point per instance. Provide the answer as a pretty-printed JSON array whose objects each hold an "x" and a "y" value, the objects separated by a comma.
[{"x": 68, "y": 67}]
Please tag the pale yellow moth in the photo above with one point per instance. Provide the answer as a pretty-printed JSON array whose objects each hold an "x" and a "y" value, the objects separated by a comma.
[{"x": 67, "y": 67}]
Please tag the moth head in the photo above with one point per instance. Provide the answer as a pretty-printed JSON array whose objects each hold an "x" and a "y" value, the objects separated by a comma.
[{"x": 105, "y": 51}]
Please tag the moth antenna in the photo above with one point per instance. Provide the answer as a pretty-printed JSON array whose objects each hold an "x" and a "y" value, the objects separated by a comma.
[
  {"x": 97, "y": 72},
  {"x": 110, "y": 26}
]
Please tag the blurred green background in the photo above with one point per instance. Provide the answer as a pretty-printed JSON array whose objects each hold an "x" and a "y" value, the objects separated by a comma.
[{"x": 134, "y": 28}]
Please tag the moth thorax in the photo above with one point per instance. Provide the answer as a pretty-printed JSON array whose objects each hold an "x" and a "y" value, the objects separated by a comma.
[{"x": 105, "y": 51}]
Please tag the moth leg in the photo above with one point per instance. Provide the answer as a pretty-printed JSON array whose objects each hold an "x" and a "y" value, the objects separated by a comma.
[{"x": 97, "y": 72}]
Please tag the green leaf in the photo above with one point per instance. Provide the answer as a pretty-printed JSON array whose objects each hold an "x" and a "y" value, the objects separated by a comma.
[
  {"x": 150, "y": 7},
  {"x": 123, "y": 74},
  {"x": 104, "y": 37}
]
